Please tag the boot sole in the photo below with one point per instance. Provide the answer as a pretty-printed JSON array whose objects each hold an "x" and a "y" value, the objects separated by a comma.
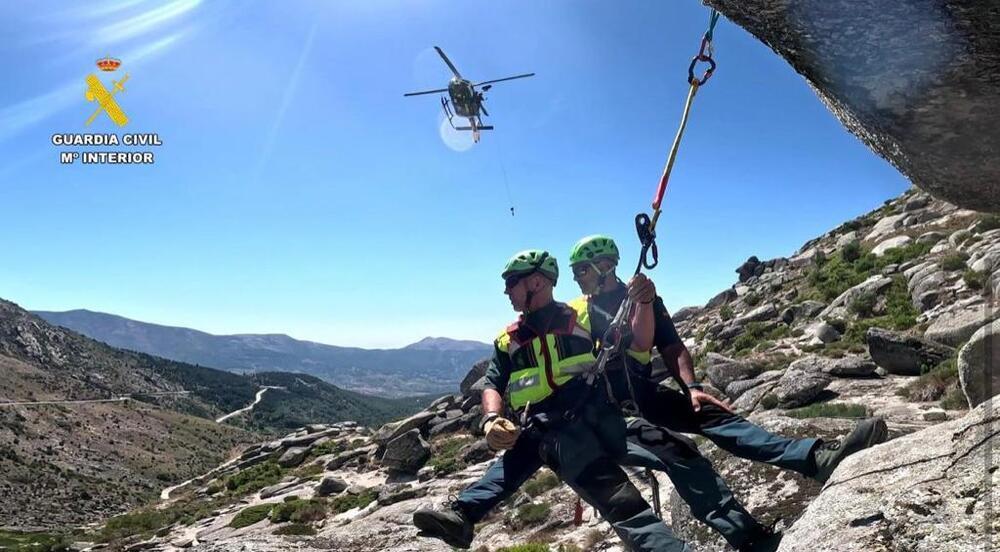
[{"x": 435, "y": 529}]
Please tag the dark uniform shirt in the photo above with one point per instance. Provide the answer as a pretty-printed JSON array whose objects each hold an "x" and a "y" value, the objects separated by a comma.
[{"x": 604, "y": 306}]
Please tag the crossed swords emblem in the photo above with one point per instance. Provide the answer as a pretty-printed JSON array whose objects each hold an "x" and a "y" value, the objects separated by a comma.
[{"x": 97, "y": 92}]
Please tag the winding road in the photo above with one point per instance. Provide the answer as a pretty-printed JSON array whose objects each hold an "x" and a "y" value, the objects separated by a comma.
[
  {"x": 165, "y": 493},
  {"x": 260, "y": 394}
]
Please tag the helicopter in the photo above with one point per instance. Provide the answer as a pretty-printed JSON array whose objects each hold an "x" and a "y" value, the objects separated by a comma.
[{"x": 465, "y": 99}]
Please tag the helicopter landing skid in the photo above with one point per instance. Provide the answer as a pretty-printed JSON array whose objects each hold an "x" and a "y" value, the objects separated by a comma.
[{"x": 447, "y": 112}]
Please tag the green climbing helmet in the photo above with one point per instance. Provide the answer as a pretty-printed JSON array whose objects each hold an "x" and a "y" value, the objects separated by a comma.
[
  {"x": 593, "y": 247},
  {"x": 532, "y": 260}
]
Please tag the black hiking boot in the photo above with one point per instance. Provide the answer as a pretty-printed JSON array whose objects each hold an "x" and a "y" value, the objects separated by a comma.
[
  {"x": 765, "y": 540},
  {"x": 830, "y": 454},
  {"x": 449, "y": 525}
]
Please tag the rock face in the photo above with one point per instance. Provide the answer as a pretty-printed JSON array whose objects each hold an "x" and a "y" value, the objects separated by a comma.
[
  {"x": 406, "y": 453},
  {"x": 798, "y": 387},
  {"x": 957, "y": 327},
  {"x": 275, "y": 490},
  {"x": 902, "y": 354},
  {"x": 723, "y": 370},
  {"x": 683, "y": 314},
  {"x": 886, "y": 226},
  {"x": 737, "y": 388},
  {"x": 872, "y": 285},
  {"x": 759, "y": 314},
  {"x": 821, "y": 332},
  {"x": 345, "y": 457},
  {"x": 923, "y": 492},
  {"x": 768, "y": 492},
  {"x": 293, "y": 457},
  {"x": 331, "y": 485},
  {"x": 749, "y": 269},
  {"x": 924, "y": 283},
  {"x": 911, "y": 79},
  {"x": 721, "y": 298},
  {"x": 390, "y": 431},
  {"x": 891, "y": 243},
  {"x": 309, "y": 438},
  {"x": 476, "y": 373},
  {"x": 979, "y": 364},
  {"x": 753, "y": 392},
  {"x": 847, "y": 367},
  {"x": 801, "y": 311}
]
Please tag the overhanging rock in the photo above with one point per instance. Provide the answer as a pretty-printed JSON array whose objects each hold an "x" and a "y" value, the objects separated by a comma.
[{"x": 917, "y": 81}]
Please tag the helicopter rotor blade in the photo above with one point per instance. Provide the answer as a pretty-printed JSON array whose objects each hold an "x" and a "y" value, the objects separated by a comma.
[
  {"x": 438, "y": 91},
  {"x": 448, "y": 61},
  {"x": 524, "y": 76}
]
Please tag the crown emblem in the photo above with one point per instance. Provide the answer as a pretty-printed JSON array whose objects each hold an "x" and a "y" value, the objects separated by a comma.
[{"x": 108, "y": 63}]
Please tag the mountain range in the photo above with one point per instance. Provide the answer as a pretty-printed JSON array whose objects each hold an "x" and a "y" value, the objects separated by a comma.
[
  {"x": 106, "y": 429},
  {"x": 433, "y": 365}
]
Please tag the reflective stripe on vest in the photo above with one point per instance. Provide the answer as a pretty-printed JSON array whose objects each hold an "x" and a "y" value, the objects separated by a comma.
[{"x": 553, "y": 359}]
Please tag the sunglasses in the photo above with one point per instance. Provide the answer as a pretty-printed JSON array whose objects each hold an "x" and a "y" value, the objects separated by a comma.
[
  {"x": 511, "y": 281},
  {"x": 581, "y": 270}
]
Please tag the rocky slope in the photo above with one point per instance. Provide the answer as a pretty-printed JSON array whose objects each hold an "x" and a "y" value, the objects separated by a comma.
[
  {"x": 430, "y": 366},
  {"x": 98, "y": 457},
  {"x": 887, "y": 315},
  {"x": 101, "y": 458}
]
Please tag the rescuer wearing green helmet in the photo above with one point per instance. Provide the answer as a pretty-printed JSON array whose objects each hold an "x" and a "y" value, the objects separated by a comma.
[
  {"x": 540, "y": 364},
  {"x": 593, "y": 260},
  {"x": 648, "y": 446}
]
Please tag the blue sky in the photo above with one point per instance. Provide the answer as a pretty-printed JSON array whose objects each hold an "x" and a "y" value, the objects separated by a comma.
[{"x": 298, "y": 192}]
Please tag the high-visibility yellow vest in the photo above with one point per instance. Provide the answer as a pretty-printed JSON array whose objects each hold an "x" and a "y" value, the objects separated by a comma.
[
  {"x": 582, "y": 304},
  {"x": 543, "y": 363}
]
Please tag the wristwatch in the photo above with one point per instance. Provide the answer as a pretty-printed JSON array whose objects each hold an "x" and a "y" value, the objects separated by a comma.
[
  {"x": 486, "y": 418},
  {"x": 696, "y": 385}
]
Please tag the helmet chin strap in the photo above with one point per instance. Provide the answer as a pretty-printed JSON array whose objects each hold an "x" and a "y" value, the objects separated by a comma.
[
  {"x": 528, "y": 294},
  {"x": 528, "y": 297},
  {"x": 602, "y": 276}
]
